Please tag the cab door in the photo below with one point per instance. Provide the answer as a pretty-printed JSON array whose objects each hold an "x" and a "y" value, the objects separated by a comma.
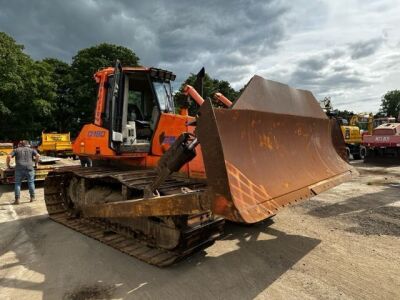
[{"x": 116, "y": 107}]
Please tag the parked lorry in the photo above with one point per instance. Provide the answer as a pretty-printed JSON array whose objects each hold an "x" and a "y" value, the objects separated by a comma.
[
  {"x": 383, "y": 143},
  {"x": 56, "y": 144}
]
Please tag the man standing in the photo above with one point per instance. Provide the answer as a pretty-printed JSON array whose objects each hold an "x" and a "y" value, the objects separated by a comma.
[{"x": 24, "y": 156}]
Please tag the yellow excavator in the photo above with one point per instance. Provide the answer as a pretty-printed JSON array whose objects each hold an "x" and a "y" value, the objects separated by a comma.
[
  {"x": 353, "y": 139},
  {"x": 351, "y": 131},
  {"x": 363, "y": 121}
]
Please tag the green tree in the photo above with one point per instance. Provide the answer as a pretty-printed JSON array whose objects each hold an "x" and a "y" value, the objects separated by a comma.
[
  {"x": 390, "y": 105},
  {"x": 26, "y": 92},
  {"x": 43, "y": 89},
  {"x": 64, "y": 106},
  {"x": 210, "y": 86},
  {"x": 83, "y": 87},
  {"x": 344, "y": 114},
  {"x": 13, "y": 64}
]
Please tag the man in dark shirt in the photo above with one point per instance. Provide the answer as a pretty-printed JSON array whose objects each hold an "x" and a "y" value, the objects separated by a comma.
[{"x": 24, "y": 156}]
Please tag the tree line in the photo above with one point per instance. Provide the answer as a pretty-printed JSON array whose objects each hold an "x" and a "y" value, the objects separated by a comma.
[
  {"x": 50, "y": 94},
  {"x": 53, "y": 95}
]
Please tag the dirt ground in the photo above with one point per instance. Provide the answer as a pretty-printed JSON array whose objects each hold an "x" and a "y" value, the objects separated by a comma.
[{"x": 344, "y": 243}]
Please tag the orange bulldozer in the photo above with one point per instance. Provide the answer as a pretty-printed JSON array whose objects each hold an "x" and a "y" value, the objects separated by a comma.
[{"x": 161, "y": 184}]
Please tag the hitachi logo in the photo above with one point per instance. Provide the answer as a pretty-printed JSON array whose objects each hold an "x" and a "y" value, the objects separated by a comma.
[
  {"x": 169, "y": 140},
  {"x": 96, "y": 133}
]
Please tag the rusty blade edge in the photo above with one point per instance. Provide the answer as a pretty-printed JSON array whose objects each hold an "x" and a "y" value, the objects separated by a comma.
[
  {"x": 321, "y": 186},
  {"x": 336, "y": 180},
  {"x": 305, "y": 193}
]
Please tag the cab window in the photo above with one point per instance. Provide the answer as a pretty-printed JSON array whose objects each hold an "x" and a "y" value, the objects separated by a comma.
[{"x": 164, "y": 96}]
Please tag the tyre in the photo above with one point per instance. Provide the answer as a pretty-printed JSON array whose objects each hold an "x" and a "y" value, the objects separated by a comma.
[
  {"x": 348, "y": 153},
  {"x": 363, "y": 152}
]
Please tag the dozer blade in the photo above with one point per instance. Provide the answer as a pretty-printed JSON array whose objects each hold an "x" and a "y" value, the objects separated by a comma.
[{"x": 273, "y": 148}]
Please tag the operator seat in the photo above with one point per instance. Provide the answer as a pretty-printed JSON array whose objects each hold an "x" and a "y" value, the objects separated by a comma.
[
  {"x": 143, "y": 130},
  {"x": 134, "y": 113}
]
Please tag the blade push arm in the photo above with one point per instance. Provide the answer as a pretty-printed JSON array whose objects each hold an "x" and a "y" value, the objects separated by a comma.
[
  {"x": 181, "y": 152},
  {"x": 188, "y": 90},
  {"x": 221, "y": 98}
]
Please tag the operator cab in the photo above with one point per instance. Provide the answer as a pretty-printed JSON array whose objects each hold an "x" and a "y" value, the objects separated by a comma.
[
  {"x": 342, "y": 121},
  {"x": 139, "y": 99}
]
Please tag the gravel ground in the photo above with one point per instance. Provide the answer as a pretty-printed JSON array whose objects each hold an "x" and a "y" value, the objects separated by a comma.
[{"x": 344, "y": 243}]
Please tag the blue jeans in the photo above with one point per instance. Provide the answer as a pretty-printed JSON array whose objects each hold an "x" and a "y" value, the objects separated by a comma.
[{"x": 29, "y": 175}]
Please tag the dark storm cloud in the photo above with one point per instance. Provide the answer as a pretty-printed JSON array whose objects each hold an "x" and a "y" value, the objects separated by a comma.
[
  {"x": 392, "y": 62},
  {"x": 180, "y": 35},
  {"x": 343, "y": 80},
  {"x": 312, "y": 64},
  {"x": 320, "y": 61},
  {"x": 351, "y": 101},
  {"x": 326, "y": 72},
  {"x": 365, "y": 48}
]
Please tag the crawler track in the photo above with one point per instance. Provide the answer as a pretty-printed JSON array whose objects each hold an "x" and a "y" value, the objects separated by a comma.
[{"x": 194, "y": 236}]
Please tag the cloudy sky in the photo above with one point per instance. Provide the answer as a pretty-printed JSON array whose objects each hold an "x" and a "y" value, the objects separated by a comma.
[{"x": 346, "y": 49}]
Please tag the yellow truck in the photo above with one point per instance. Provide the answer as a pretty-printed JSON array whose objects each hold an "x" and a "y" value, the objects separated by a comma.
[
  {"x": 5, "y": 148},
  {"x": 56, "y": 144}
]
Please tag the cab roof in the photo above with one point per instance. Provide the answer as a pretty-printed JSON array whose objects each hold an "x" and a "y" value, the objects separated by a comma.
[
  {"x": 154, "y": 72},
  {"x": 388, "y": 126}
]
